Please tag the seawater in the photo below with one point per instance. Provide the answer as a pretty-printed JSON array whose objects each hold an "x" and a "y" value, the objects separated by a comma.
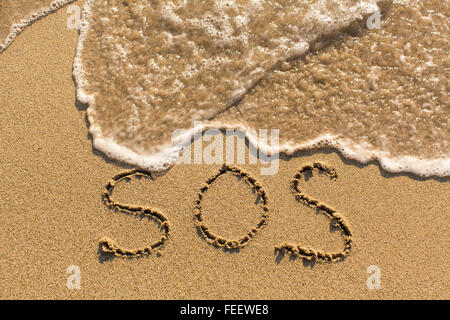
[{"x": 311, "y": 69}]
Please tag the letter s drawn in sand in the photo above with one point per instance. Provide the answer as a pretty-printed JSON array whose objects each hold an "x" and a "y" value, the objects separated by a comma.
[
  {"x": 108, "y": 245},
  {"x": 312, "y": 254}
]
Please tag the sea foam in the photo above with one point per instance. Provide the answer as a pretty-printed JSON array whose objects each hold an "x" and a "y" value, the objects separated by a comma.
[{"x": 147, "y": 70}]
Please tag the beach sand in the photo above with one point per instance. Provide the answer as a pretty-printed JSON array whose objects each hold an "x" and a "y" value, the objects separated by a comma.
[{"x": 52, "y": 214}]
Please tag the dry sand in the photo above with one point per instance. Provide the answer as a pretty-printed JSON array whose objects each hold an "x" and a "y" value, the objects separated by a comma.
[{"x": 52, "y": 214}]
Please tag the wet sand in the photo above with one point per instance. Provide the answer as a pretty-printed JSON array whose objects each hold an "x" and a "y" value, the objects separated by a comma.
[{"x": 52, "y": 214}]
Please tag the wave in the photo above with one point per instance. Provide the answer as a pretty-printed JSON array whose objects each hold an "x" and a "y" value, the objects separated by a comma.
[{"x": 17, "y": 16}]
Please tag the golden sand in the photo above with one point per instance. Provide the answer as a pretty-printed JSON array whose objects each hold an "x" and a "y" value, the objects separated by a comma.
[
  {"x": 15, "y": 11},
  {"x": 52, "y": 214}
]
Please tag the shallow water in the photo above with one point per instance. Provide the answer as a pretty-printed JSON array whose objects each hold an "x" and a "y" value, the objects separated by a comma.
[
  {"x": 379, "y": 93},
  {"x": 311, "y": 69}
]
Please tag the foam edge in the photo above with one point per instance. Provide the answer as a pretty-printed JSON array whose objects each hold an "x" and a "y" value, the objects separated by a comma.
[
  {"x": 170, "y": 153},
  {"x": 18, "y": 28}
]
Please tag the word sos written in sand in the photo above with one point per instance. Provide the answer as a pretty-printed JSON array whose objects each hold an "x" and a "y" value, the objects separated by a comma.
[{"x": 262, "y": 201}]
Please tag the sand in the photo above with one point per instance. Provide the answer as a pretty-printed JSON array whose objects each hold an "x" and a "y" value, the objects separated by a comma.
[{"x": 52, "y": 214}]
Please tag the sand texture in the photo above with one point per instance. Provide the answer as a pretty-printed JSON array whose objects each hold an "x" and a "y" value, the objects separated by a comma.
[{"x": 194, "y": 231}]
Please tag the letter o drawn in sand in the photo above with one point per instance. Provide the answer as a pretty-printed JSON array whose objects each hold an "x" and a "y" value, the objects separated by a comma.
[
  {"x": 307, "y": 253},
  {"x": 201, "y": 224},
  {"x": 108, "y": 245}
]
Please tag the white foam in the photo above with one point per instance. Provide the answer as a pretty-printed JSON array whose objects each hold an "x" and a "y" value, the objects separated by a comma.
[{"x": 167, "y": 155}]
